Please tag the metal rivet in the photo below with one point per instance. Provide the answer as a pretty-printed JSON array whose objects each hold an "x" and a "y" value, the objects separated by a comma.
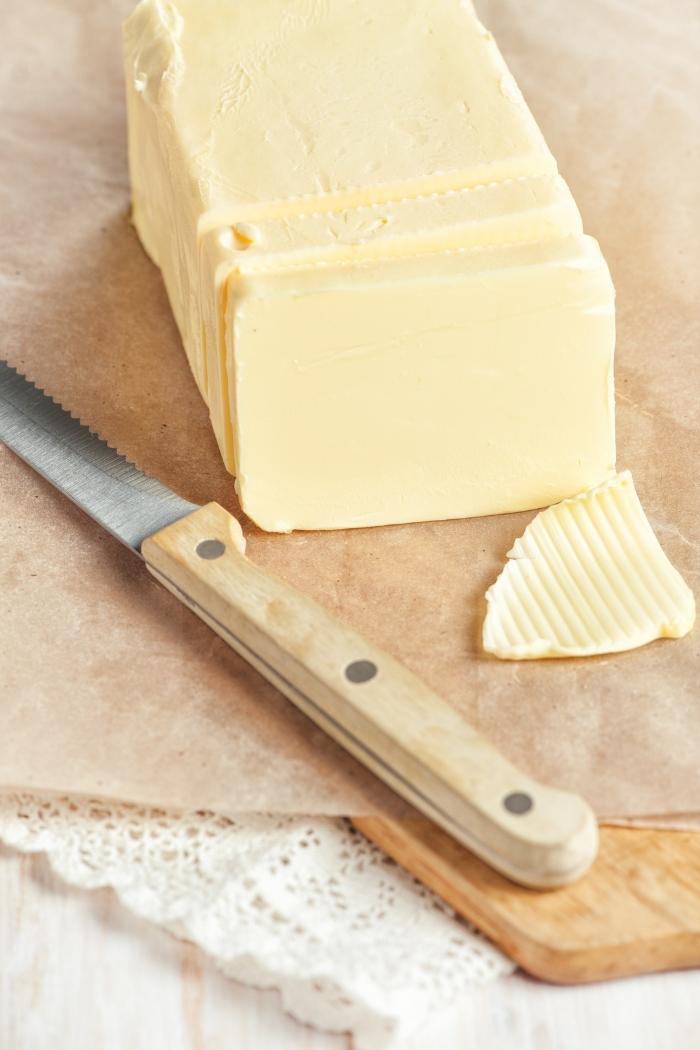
[
  {"x": 210, "y": 549},
  {"x": 360, "y": 671},
  {"x": 518, "y": 802}
]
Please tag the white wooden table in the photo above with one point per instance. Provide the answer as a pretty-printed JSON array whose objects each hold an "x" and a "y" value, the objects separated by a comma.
[{"x": 78, "y": 971}]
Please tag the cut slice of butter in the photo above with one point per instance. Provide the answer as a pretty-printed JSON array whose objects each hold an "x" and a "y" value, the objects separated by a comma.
[
  {"x": 381, "y": 282},
  {"x": 587, "y": 576}
]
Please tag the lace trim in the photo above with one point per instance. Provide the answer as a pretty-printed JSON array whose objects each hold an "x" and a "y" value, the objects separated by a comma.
[{"x": 304, "y": 905}]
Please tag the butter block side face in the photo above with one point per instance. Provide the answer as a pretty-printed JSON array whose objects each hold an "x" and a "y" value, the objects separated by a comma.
[
  {"x": 165, "y": 198},
  {"x": 355, "y": 213},
  {"x": 587, "y": 576},
  {"x": 438, "y": 387}
]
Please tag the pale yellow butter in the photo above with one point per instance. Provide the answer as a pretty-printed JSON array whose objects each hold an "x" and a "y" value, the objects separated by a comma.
[
  {"x": 381, "y": 281},
  {"x": 587, "y": 576}
]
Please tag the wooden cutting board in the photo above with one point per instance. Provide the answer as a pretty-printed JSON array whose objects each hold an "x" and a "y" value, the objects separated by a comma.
[{"x": 636, "y": 911}]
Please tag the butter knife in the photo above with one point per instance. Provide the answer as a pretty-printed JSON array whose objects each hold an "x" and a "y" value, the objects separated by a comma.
[{"x": 371, "y": 704}]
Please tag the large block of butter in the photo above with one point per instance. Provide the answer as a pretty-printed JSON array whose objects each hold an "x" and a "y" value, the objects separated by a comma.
[{"x": 380, "y": 279}]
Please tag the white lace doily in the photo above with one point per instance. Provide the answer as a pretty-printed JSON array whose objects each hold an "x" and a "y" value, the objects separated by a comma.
[{"x": 305, "y": 905}]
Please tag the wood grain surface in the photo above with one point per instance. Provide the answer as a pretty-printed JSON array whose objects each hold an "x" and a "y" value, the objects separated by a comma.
[
  {"x": 636, "y": 911},
  {"x": 374, "y": 706},
  {"x": 79, "y": 971}
]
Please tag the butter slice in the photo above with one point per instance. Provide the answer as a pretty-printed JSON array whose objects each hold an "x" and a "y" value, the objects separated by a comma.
[
  {"x": 381, "y": 282},
  {"x": 588, "y": 576}
]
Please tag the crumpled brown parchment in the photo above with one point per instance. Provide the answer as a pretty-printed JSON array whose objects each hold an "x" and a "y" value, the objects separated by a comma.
[{"x": 108, "y": 685}]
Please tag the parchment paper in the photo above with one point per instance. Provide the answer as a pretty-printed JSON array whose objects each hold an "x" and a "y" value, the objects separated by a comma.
[{"x": 108, "y": 685}]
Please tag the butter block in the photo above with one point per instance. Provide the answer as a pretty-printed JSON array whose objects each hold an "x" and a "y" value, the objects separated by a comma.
[
  {"x": 587, "y": 576},
  {"x": 381, "y": 281}
]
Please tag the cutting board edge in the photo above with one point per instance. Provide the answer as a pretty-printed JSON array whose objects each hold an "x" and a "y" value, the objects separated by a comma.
[{"x": 481, "y": 895}]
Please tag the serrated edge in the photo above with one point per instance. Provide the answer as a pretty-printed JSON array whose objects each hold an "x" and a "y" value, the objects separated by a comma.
[{"x": 4, "y": 363}]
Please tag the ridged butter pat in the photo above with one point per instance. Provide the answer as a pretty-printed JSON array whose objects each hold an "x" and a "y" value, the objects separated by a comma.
[
  {"x": 587, "y": 576},
  {"x": 380, "y": 279}
]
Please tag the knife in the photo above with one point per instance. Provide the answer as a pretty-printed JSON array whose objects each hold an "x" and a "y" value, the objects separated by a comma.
[{"x": 368, "y": 702}]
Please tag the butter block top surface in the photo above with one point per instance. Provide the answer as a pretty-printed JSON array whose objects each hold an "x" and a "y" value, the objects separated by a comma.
[{"x": 276, "y": 100}]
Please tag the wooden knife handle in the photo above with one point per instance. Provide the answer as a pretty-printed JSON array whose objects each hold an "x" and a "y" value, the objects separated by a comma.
[{"x": 374, "y": 706}]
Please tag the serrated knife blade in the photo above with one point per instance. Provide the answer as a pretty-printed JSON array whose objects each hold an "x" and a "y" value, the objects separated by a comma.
[{"x": 125, "y": 501}]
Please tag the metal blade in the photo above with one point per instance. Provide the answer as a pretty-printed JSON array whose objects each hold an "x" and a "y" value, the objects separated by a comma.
[{"x": 85, "y": 468}]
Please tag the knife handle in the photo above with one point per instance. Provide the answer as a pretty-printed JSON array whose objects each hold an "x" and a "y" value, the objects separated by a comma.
[{"x": 374, "y": 706}]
